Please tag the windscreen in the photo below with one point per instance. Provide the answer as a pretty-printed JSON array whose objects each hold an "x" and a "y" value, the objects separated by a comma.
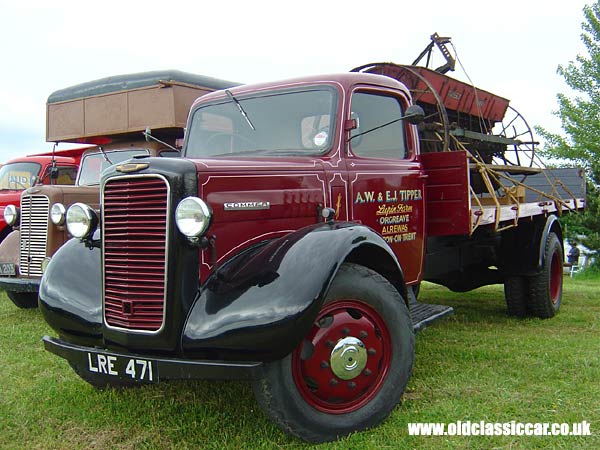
[
  {"x": 93, "y": 164},
  {"x": 19, "y": 176},
  {"x": 284, "y": 123}
]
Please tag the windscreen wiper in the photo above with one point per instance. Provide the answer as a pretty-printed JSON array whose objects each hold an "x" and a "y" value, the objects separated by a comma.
[
  {"x": 239, "y": 106},
  {"x": 105, "y": 155}
]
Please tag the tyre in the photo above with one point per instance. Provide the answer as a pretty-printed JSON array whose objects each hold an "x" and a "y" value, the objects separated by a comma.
[
  {"x": 545, "y": 288},
  {"x": 23, "y": 299},
  {"x": 352, "y": 367},
  {"x": 102, "y": 381},
  {"x": 516, "y": 293}
]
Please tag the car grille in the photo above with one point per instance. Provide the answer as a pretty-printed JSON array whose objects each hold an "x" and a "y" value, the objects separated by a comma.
[
  {"x": 34, "y": 234},
  {"x": 135, "y": 211}
]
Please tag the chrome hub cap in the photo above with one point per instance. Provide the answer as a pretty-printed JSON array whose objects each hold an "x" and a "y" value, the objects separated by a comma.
[{"x": 348, "y": 358}]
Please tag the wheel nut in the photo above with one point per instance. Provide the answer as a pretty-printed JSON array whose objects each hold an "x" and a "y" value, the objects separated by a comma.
[
  {"x": 372, "y": 351},
  {"x": 329, "y": 343},
  {"x": 345, "y": 331},
  {"x": 363, "y": 334},
  {"x": 324, "y": 364},
  {"x": 333, "y": 382},
  {"x": 351, "y": 385},
  {"x": 367, "y": 372}
]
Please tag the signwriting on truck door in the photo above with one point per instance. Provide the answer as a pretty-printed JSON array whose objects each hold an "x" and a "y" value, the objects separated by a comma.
[{"x": 386, "y": 183}]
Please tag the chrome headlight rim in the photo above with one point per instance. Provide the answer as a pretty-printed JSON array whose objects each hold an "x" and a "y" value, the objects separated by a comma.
[
  {"x": 11, "y": 215},
  {"x": 81, "y": 220},
  {"x": 45, "y": 263},
  {"x": 193, "y": 217},
  {"x": 58, "y": 214}
]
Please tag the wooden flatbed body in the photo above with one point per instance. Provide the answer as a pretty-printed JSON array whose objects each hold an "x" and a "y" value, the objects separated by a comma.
[{"x": 455, "y": 207}]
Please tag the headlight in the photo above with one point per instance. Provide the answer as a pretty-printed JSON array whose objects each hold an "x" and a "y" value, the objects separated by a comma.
[
  {"x": 192, "y": 216},
  {"x": 45, "y": 263},
  {"x": 11, "y": 215},
  {"x": 57, "y": 214},
  {"x": 81, "y": 220}
]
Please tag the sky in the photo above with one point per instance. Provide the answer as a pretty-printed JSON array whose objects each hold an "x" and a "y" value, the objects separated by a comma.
[{"x": 511, "y": 48}]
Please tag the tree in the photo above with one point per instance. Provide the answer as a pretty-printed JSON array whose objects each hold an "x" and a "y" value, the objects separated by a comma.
[{"x": 580, "y": 117}]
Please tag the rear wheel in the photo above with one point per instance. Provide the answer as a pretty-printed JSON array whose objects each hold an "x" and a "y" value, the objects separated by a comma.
[
  {"x": 352, "y": 367},
  {"x": 515, "y": 293},
  {"x": 23, "y": 299},
  {"x": 545, "y": 288}
]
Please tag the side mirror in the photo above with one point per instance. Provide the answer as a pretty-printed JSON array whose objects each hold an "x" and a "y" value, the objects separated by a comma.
[
  {"x": 414, "y": 114},
  {"x": 54, "y": 173}
]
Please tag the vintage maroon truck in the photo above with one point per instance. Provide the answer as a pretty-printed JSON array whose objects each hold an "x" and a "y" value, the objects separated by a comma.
[
  {"x": 287, "y": 245},
  {"x": 113, "y": 113}
]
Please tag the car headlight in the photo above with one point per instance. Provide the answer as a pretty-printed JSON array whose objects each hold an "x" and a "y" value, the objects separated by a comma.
[
  {"x": 192, "y": 216},
  {"x": 45, "y": 263},
  {"x": 11, "y": 215},
  {"x": 81, "y": 220},
  {"x": 57, "y": 214}
]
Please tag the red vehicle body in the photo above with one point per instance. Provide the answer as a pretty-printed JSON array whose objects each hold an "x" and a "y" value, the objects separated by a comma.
[
  {"x": 21, "y": 173},
  {"x": 288, "y": 244}
]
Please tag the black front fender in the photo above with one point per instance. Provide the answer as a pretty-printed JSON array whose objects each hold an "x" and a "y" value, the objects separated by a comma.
[
  {"x": 70, "y": 293},
  {"x": 260, "y": 304}
]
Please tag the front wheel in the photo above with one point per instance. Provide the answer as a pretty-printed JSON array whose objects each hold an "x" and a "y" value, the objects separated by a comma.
[
  {"x": 545, "y": 288},
  {"x": 352, "y": 367}
]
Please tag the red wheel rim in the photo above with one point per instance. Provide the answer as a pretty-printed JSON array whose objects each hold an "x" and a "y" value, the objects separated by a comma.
[
  {"x": 316, "y": 371},
  {"x": 556, "y": 274}
]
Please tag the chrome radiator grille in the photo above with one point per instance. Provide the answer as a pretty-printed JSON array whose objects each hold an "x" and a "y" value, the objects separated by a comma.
[
  {"x": 135, "y": 211},
  {"x": 34, "y": 234}
]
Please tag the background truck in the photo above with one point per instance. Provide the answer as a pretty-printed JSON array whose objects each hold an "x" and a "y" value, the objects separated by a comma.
[
  {"x": 287, "y": 245},
  {"x": 26, "y": 171},
  {"x": 112, "y": 113}
]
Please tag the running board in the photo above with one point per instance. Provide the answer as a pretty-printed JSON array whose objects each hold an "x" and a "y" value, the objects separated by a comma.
[{"x": 422, "y": 314}]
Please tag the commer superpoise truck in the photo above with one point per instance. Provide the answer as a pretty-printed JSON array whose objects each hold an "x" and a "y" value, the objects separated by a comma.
[{"x": 287, "y": 245}]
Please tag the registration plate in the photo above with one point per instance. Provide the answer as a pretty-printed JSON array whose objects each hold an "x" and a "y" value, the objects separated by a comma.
[
  {"x": 137, "y": 369},
  {"x": 7, "y": 269}
]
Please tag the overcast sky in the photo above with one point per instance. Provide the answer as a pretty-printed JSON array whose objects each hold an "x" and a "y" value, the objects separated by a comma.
[{"x": 511, "y": 48}]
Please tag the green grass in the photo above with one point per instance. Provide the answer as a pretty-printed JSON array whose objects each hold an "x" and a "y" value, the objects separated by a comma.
[{"x": 477, "y": 365}]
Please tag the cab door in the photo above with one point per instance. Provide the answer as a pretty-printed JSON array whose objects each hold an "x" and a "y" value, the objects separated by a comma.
[{"x": 386, "y": 182}]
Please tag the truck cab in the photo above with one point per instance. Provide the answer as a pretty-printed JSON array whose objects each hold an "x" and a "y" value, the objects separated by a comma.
[{"x": 299, "y": 162}]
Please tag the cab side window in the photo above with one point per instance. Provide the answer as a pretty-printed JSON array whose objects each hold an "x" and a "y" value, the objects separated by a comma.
[
  {"x": 379, "y": 133},
  {"x": 66, "y": 175}
]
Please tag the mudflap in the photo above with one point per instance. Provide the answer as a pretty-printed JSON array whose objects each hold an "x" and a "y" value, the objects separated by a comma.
[{"x": 423, "y": 314}]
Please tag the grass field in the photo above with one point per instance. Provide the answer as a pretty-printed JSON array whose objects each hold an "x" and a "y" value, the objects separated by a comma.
[{"x": 477, "y": 365}]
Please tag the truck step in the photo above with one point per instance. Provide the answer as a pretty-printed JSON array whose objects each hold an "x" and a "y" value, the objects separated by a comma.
[{"x": 422, "y": 314}]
